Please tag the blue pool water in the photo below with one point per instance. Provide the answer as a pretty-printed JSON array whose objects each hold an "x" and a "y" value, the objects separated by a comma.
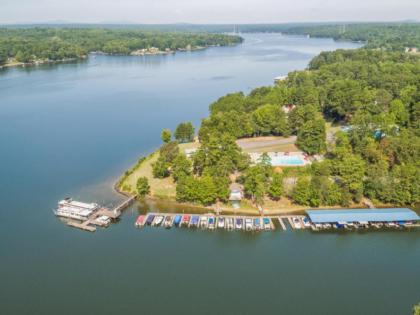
[{"x": 284, "y": 160}]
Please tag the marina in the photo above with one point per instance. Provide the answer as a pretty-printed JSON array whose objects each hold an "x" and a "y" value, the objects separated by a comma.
[
  {"x": 313, "y": 221},
  {"x": 88, "y": 216}
]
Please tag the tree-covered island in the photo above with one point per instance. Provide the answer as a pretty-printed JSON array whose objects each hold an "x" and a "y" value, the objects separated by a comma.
[
  {"x": 354, "y": 115},
  {"x": 42, "y": 45}
]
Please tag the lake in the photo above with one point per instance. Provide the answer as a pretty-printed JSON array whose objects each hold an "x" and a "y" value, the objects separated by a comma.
[{"x": 72, "y": 129}]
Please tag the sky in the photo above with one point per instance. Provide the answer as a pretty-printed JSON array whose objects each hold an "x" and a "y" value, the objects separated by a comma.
[{"x": 206, "y": 11}]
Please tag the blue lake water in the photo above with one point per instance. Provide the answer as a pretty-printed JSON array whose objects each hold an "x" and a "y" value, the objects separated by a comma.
[{"x": 71, "y": 129}]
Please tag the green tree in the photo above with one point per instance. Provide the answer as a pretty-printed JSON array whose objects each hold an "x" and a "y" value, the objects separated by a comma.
[
  {"x": 351, "y": 169},
  {"x": 275, "y": 190},
  {"x": 181, "y": 167},
  {"x": 143, "y": 187},
  {"x": 166, "y": 135},
  {"x": 416, "y": 309},
  {"x": 270, "y": 119},
  {"x": 302, "y": 193},
  {"x": 302, "y": 114},
  {"x": 169, "y": 151},
  {"x": 312, "y": 136},
  {"x": 160, "y": 168},
  {"x": 401, "y": 114},
  {"x": 184, "y": 132}
]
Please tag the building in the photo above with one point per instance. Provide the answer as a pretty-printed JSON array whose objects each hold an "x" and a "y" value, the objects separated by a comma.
[{"x": 362, "y": 215}]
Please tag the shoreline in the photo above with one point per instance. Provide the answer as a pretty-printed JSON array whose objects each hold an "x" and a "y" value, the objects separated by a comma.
[
  {"x": 135, "y": 53},
  {"x": 224, "y": 208}
]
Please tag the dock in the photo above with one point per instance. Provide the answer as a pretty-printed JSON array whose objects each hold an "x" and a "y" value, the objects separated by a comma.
[
  {"x": 83, "y": 226},
  {"x": 95, "y": 219}
]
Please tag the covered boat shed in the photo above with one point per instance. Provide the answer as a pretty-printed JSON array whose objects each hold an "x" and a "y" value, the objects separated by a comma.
[{"x": 362, "y": 215}]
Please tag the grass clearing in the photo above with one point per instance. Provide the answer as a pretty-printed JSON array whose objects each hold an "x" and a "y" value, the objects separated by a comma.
[{"x": 164, "y": 188}]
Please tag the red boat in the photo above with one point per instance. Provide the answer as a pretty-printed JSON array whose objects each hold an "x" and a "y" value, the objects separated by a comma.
[{"x": 140, "y": 220}]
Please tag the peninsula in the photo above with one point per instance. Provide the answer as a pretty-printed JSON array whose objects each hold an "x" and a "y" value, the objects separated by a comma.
[{"x": 344, "y": 132}]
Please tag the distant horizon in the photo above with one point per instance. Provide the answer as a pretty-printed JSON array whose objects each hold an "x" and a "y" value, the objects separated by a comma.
[
  {"x": 58, "y": 22},
  {"x": 205, "y": 12}
]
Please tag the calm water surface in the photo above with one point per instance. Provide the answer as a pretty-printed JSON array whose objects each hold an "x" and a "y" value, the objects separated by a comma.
[{"x": 72, "y": 129}]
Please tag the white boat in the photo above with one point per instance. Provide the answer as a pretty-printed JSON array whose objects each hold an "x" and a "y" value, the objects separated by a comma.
[
  {"x": 69, "y": 208},
  {"x": 220, "y": 222},
  {"x": 168, "y": 221},
  {"x": 158, "y": 220},
  {"x": 203, "y": 222},
  {"x": 103, "y": 220},
  {"x": 297, "y": 223},
  {"x": 248, "y": 224}
]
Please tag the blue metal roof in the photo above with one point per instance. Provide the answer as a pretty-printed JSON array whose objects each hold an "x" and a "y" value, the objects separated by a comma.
[{"x": 362, "y": 215}]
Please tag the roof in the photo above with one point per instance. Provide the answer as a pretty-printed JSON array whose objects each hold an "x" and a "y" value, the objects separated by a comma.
[{"x": 360, "y": 215}]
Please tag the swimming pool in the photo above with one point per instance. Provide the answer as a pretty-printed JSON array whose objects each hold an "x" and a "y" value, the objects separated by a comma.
[{"x": 287, "y": 160}]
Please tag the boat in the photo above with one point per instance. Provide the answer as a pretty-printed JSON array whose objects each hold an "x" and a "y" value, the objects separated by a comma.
[
  {"x": 150, "y": 219},
  {"x": 168, "y": 221},
  {"x": 69, "y": 208},
  {"x": 306, "y": 222},
  {"x": 185, "y": 219},
  {"x": 212, "y": 223},
  {"x": 177, "y": 220},
  {"x": 140, "y": 221},
  {"x": 257, "y": 224},
  {"x": 248, "y": 224},
  {"x": 220, "y": 222},
  {"x": 267, "y": 224},
  {"x": 158, "y": 220},
  {"x": 203, "y": 222},
  {"x": 102, "y": 220},
  {"x": 296, "y": 223},
  {"x": 194, "y": 221},
  {"x": 238, "y": 224}
]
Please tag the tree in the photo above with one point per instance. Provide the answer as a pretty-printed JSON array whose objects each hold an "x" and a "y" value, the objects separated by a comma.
[
  {"x": 302, "y": 193},
  {"x": 143, "y": 187},
  {"x": 401, "y": 114},
  {"x": 275, "y": 190},
  {"x": 312, "y": 136},
  {"x": 302, "y": 114},
  {"x": 351, "y": 170},
  {"x": 169, "y": 151},
  {"x": 416, "y": 309},
  {"x": 270, "y": 119},
  {"x": 184, "y": 132},
  {"x": 160, "y": 168},
  {"x": 181, "y": 167},
  {"x": 256, "y": 182},
  {"x": 3, "y": 57},
  {"x": 166, "y": 135}
]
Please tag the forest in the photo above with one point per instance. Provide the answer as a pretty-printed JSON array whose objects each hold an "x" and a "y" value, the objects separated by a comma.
[
  {"x": 372, "y": 95},
  {"x": 390, "y": 36},
  {"x": 54, "y": 44}
]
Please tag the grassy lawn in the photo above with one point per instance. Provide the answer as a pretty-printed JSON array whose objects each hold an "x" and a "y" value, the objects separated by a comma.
[{"x": 161, "y": 188}]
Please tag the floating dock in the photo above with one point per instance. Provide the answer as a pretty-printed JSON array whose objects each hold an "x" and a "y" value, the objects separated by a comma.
[{"x": 87, "y": 217}]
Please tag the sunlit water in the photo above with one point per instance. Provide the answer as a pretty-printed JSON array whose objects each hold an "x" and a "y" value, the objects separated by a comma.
[{"x": 71, "y": 129}]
